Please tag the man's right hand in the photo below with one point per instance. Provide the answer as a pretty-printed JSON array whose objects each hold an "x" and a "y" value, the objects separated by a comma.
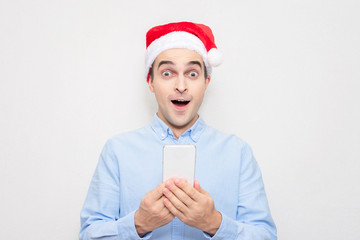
[{"x": 152, "y": 212}]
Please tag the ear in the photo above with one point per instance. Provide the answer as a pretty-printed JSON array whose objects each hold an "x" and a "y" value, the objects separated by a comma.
[
  {"x": 207, "y": 81},
  {"x": 151, "y": 84}
]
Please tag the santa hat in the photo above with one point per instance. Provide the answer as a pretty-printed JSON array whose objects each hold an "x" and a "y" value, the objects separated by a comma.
[{"x": 193, "y": 36}]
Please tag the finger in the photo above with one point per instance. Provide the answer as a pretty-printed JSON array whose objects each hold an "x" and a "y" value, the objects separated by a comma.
[
  {"x": 160, "y": 203},
  {"x": 179, "y": 193},
  {"x": 188, "y": 189},
  {"x": 197, "y": 185},
  {"x": 164, "y": 210},
  {"x": 177, "y": 203},
  {"x": 157, "y": 192},
  {"x": 173, "y": 210}
]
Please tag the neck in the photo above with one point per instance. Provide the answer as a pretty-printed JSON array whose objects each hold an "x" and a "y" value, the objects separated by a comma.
[{"x": 179, "y": 130}]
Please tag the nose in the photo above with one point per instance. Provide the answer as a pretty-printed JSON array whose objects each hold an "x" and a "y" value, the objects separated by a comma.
[{"x": 181, "y": 85}]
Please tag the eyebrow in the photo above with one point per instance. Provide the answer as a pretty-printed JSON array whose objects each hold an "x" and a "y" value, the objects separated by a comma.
[
  {"x": 194, "y": 63},
  {"x": 165, "y": 62}
]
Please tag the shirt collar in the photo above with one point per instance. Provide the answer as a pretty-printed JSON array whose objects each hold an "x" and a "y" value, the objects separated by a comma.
[{"x": 163, "y": 131}]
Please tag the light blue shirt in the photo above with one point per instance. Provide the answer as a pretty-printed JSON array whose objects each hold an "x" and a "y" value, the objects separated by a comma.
[{"x": 130, "y": 165}]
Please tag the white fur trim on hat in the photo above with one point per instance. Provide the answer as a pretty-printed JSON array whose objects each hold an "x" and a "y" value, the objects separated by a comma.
[{"x": 176, "y": 40}]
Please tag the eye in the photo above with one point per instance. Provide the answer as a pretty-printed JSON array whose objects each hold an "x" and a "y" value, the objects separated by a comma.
[
  {"x": 193, "y": 74},
  {"x": 166, "y": 73}
]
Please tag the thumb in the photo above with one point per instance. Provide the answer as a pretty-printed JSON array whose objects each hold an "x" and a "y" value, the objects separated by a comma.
[{"x": 199, "y": 188}]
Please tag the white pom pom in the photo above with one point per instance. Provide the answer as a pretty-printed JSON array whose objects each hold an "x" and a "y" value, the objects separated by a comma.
[{"x": 214, "y": 57}]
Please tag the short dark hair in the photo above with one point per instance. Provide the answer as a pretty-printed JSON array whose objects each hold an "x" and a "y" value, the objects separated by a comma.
[{"x": 151, "y": 73}]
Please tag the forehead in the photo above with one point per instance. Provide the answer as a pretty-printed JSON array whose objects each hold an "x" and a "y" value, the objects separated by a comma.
[{"x": 178, "y": 56}]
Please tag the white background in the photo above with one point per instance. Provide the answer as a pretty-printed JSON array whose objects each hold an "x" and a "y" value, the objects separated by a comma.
[{"x": 72, "y": 75}]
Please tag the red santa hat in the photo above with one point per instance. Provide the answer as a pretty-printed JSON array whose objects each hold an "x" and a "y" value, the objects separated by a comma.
[{"x": 193, "y": 36}]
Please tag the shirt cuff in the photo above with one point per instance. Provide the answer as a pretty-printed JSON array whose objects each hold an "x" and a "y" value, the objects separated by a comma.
[
  {"x": 127, "y": 230},
  {"x": 228, "y": 229}
]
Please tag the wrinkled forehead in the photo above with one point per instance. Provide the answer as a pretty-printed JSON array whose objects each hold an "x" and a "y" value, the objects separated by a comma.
[{"x": 179, "y": 57}]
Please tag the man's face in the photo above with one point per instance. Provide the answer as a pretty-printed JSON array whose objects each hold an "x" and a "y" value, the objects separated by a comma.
[{"x": 179, "y": 85}]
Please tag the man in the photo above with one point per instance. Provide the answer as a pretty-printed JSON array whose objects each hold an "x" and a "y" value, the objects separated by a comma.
[{"x": 127, "y": 198}]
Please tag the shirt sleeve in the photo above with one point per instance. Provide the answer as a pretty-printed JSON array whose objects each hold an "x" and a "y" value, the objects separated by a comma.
[
  {"x": 253, "y": 219},
  {"x": 100, "y": 216}
]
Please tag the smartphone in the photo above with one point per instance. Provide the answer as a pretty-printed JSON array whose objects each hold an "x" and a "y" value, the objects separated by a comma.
[{"x": 179, "y": 161}]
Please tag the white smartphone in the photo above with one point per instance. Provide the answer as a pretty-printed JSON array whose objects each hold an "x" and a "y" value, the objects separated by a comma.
[{"x": 179, "y": 161}]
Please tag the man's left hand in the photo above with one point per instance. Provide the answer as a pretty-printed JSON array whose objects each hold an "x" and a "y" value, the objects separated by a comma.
[{"x": 192, "y": 205}]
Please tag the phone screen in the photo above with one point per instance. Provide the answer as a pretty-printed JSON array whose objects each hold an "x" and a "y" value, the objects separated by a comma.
[{"x": 179, "y": 161}]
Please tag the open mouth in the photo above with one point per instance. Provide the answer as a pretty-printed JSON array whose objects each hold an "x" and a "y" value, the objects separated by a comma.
[{"x": 180, "y": 103}]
